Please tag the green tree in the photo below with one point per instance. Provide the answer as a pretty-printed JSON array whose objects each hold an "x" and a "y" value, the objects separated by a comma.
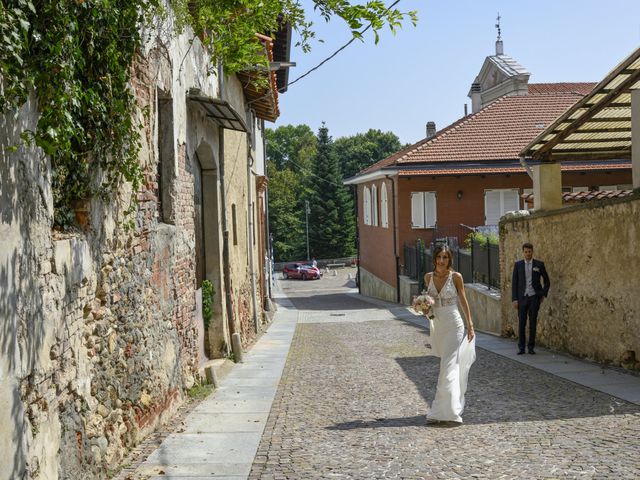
[
  {"x": 332, "y": 218},
  {"x": 291, "y": 147},
  {"x": 286, "y": 217},
  {"x": 357, "y": 152},
  {"x": 290, "y": 153}
]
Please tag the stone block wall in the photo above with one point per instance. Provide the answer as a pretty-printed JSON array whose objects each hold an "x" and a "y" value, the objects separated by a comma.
[{"x": 592, "y": 257}]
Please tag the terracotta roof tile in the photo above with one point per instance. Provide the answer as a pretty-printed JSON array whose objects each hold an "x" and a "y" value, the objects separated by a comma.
[
  {"x": 499, "y": 169},
  {"x": 582, "y": 88},
  {"x": 497, "y": 132},
  {"x": 580, "y": 197}
]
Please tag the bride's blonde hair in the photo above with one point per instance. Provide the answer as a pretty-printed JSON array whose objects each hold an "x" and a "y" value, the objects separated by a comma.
[{"x": 438, "y": 250}]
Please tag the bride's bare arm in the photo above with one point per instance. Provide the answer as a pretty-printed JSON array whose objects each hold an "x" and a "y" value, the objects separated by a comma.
[{"x": 459, "y": 283}]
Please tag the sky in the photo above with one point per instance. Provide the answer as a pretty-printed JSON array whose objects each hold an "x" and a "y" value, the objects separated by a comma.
[{"x": 424, "y": 73}]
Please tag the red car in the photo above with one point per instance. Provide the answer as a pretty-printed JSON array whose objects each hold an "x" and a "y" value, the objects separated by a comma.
[{"x": 301, "y": 271}]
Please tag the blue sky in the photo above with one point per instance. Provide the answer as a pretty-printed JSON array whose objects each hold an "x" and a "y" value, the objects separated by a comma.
[{"x": 424, "y": 73}]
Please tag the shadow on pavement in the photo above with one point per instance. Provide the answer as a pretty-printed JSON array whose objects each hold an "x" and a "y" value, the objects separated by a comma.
[{"x": 501, "y": 390}]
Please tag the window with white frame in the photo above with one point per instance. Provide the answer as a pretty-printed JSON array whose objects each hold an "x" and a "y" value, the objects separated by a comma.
[
  {"x": 423, "y": 209},
  {"x": 499, "y": 202},
  {"x": 374, "y": 205},
  {"x": 366, "y": 206},
  {"x": 384, "y": 209}
]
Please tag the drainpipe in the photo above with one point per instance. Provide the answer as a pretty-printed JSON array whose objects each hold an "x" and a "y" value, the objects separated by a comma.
[
  {"x": 266, "y": 223},
  {"x": 526, "y": 167},
  {"x": 250, "y": 236},
  {"x": 358, "y": 277},
  {"x": 225, "y": 229},
  {"x": 395, "y": 238}
]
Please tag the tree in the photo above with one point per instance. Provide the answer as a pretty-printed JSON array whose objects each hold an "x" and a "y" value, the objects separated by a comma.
[
  {"x": 291, "y": 147},
  {"x": 286, "y": 219},
  {"x": 359, "y": 151},
  {"x": 332, "y": 218},
  {"x": 228, "y": 27}
]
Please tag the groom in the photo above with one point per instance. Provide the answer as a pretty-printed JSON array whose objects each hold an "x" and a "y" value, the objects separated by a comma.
[{"x": 527, "y": 294}]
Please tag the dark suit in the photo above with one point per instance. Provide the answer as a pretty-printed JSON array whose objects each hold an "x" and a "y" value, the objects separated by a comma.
[{"x": 528, "y": 305}]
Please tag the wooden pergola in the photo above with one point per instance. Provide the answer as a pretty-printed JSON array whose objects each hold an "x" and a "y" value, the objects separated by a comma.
[{"x": 598, "y": 126}]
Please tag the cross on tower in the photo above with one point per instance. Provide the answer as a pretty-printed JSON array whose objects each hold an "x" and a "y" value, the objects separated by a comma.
[{"x": 498, "y": 25}]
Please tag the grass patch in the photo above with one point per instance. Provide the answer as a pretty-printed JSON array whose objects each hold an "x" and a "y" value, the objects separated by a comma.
[{"x": 200, "y": 391}]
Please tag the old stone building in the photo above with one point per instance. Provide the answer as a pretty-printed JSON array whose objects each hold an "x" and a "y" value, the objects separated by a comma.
[{"x": 102, "y": 328}]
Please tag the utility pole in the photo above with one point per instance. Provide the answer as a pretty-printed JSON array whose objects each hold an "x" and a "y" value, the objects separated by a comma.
[{"x": 306, "y": 222}]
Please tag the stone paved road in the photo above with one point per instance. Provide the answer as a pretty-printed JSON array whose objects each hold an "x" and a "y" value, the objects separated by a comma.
[{"x": 351, "y": 405}]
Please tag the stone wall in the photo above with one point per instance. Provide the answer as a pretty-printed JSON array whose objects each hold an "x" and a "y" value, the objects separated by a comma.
[
  {"x": 486, "y": 307},
  {"x": 592, "y": 257},
  {"x": 372, "y": 286},
  {"x": 99, "y": 332}
]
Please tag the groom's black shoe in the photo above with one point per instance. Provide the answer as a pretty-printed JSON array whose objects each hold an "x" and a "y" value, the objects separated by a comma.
[
  {"x": 531, "y": 352},
  {"x": 521, "y": 352}
]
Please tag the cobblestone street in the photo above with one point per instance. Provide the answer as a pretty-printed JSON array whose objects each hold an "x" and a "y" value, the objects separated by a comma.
[{"x": 357, "y": 384}]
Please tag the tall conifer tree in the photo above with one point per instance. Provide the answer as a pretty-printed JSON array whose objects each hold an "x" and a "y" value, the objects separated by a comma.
[{"x": 331, "y": 218}]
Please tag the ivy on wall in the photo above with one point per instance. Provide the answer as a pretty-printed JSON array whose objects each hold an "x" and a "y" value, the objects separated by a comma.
[{"x": 77, "y": 55}]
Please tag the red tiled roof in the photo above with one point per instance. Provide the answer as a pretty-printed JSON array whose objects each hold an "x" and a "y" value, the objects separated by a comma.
[
  {"x": 493, "y": 169},
  {"x": 582, "y": 88},
  {"x": 580, "y": 197},
  {"x": 497, "y": 132}
]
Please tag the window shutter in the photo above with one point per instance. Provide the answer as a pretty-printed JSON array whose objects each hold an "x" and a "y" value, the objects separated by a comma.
[
  {"x": 417, "y": 210},
  {"x": 367, "y": 206},
  {"x": 374, "y": 206},
  {"x": 491, "y": 207},
  {"x": 430, "y": 209},
  {"x": 510, "y": 202},
  {"x": 384, "y": 214}
]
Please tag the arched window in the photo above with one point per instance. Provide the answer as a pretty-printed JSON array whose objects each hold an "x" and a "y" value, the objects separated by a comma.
[
  {"x": 384, "y": 208},
  {"x": 374, "y": 205},
  {"x": 367, "y": 206}
]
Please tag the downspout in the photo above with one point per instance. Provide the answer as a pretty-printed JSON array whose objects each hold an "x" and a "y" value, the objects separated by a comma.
[
  {"x": 395, "y": 238},
  {"x": 526, "y": 166},
  {"x": 266, "y": 223},
  {"x": 226, "y": 266},
  {"x": 358, "y": 277},
  {"x": 250, "y": 236}
]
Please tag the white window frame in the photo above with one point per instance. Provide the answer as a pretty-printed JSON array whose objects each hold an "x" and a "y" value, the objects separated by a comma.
[
  {"x": 424, "y": 213},
  {"x": 374, "y": 205},
  {"x": 503, "y": 203},
  {"x": 384, "y": 207},
  {"x": 366, "y": 206}
]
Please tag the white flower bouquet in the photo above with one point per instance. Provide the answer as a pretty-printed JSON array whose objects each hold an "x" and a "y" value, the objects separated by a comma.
[{"x": 423, "y": 304}]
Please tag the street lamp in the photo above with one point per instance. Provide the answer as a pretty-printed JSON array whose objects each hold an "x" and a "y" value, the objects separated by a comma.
[{"x": 306, "y": 222}]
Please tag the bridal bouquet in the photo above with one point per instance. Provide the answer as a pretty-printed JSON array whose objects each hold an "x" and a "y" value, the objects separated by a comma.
[{"x": 423, "y": 304}]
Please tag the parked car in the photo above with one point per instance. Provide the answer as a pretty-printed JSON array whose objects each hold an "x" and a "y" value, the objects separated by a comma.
[{"x": 301, "y": 271}]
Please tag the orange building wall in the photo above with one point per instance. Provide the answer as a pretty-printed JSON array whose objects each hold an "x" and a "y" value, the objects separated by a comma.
[{"x": 376, "y": 243}]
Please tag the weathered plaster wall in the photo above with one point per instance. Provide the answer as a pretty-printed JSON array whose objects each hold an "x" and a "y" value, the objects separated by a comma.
[
  {"x": 99, "y": 333},
  {"x": 592, "y": 257}
]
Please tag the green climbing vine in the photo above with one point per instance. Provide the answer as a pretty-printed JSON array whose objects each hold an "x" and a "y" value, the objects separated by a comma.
[
  {"x": 76, "y": 57},
  {"x": 207, "y": 302}
]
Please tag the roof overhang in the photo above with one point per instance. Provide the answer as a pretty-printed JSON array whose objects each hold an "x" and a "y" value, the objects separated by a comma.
[
  {"x": 598, "y": 126},
  {"x": 262, "y": 99},
  {"x": 220, "y": 111},
  {"x": 505, "y": 168},
  {"x": 369, "y": 177}
]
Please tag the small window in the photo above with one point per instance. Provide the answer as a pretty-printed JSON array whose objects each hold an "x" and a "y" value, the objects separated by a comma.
[
  {"x": 367, "y": 206},
  {"x": 234, "y": 221},
  {"x": 384, "y": 209},
  {"x": 374, "y": 206},
  {"x": 423, "y": 210}
]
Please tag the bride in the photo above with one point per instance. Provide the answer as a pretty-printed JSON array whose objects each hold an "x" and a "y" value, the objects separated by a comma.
[{"x": 446, "y": 287}]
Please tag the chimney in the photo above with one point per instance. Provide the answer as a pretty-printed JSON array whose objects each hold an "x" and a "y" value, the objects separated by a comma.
[
  {"x": 476, "y": 100},
  {"x": 499, "y": 47},
  {"x": 431, "y": 129}
]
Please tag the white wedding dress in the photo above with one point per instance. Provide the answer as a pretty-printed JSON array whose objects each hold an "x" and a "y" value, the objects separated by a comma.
[{"x": 449, "y": 342}]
